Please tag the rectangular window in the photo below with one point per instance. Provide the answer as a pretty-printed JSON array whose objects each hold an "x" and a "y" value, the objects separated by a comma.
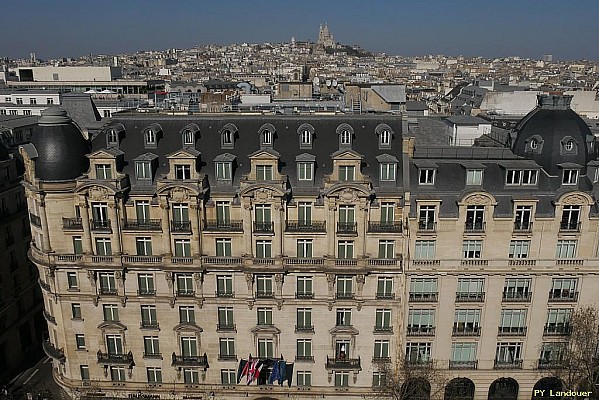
[
  {"x": 379, "y": 379},
  {"x": 304, "y": 287},
  {"x": 182, "y": 172},
  {"x": 551, "y": 354},
  {"x": 570, "y": 177},
  {"x": 474, "y": 177},
  {"x": 304, "y": 318},
  {"x": 564, "y": 289},
  {"x": 343, "y": 317},
  {"x": 384, "y": 287},
  {"x": 142, "y": 211},
  {"x": 558, "y": 320},
  {"x": 143, "y": 170},
  {"x": 341, "y": 378},
  {"x": 227, "y": 348},
  {"x": 424, "y": 249},
  {"x": 223, "y": 247},
  {"x": 223, "y": 213},
  {"x": 103, "y": 247},
  {"x": 570, "y": 218},
  {"x": 223, "y": 171},
  {"x": 519, "y": 248},
  {"x": 77, "y": 245},
  {"x": 182, "y": 248},
  {"x": 388, "y": 172},
  {"x": 384, "y": 138},
  {"x": 387, "y": 213},
  {"x": 304, "y": 248},
  {"x": 347, "y": 215},
  {"x": 80, "y": 341},
  {"x": 84, "y": 371},
  {"x": 114, "y": 344},
  {"x": 523, "y": 220},
  {"x": 344, "y": 286},
  {"x": 304, "y": 213},
  {"x": 304, "y": 348},
  {"x": 381, "y": 349},
  {"x": 421, "y": 321},
  {"x": 225, "y": 318},
  {"x": 264, "y": 173},
  {"x": 228, "y": 377},
  {"x": 517, "y": 288},
  {"x": 264, "y": 316},
  {"x": 472, "y": 249},
  {"x": 345, "y": 249},
  {"x": 508, "y": 353},
  {"x": 305, "y": 139},
  {"x": 191, "y": 376},
  {"x": 187, "y": 315},
  {"x": 466, "y": 322},
  {"x": 382, "y": 319},
  {"x": 513, "y": 321},
  {"x": 423, "y": 289},
  {"x": 264, "y": 286},
  {"x": 263, "y": 215},
  {"x": 426, "y": 176},
  {"x": 305, "y": 171},
  {"x": 117, "y": 374},
  {"x": 107, "y": 283},
  {"x": 304, "y": 378},
  {"x": 100, "y": 214},
  {"x": 426, "y": 218},
  {"x": 103, "y": 171},
  {"x": 148, "y": 317},
  {"x": 76, "y": 311},
  {"x": 111, "y": 312},
  {"x": 154, "y": 375},
  {"x": 145, "y": 284},
  {"x": 347, "y": 173},
  {"x": 387, "y": 249},
  {"x": 265, "y": 348},
  {"x": 224, "y": 285},
  {"x": 185, "y": 285},
  {"x": 475, "y": 216},
  {"x": 151, "y": 346},
  {"x": 143, "y": 246},
  {"x": 566, "y": 249},
  {"x": 72, "y": 280},
  {"x": 463, "y": 353},
  {"x": 263, "y": 249},
  {"x": 417, "y": 353},
  {"x": 189, "y": 346}
]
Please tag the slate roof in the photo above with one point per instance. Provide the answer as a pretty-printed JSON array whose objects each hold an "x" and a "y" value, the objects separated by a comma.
[{"x": 391, "y": 93}]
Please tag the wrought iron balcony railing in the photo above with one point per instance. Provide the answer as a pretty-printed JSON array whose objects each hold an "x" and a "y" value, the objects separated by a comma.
[
  {"x": 190, "y": 361},
  {"x": 142, "y": 225},
  {"x": 385, "y": 227},
  {"x": 347, "y": 228},
  {"x": 72, "y": 223},
  {"x": 305, "y": 226},
  {"x": 181, "y": 226},
  {"x": 216, "y": 225}
]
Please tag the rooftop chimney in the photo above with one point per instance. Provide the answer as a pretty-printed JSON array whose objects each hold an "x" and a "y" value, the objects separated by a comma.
[{"x": 554, "y": 102}]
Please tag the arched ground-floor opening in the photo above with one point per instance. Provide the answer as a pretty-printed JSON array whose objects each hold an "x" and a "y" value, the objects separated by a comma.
[
  {"x": 503, "y": 389},
  {"x": 544, "y": 386},
  {"x": 417, "y": 389},
  {"x": 459, "y": 389}
]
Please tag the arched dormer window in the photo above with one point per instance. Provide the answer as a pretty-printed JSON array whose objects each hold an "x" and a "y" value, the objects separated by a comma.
[
  {"x": 306, "y": 136},
  {"x": 534, "y": 144},
  {"x": 346, "y": 134},
  {"x": 189, "y": 135},
  {"x": 151, "y": 135},
  {"x": 114, "y": 135},
  {"x": 569, "y": 146},
  {"x": 385, "y": 135},
  {"x": 267, "y": 135},
  {"x": 227, "y": 136}
]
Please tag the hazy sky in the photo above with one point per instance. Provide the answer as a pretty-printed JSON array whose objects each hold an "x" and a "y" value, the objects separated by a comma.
[{"x": 568, "y": 29}]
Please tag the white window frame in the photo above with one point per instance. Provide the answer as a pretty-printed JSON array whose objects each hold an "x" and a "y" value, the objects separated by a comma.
[
  {"x": 426, "y": 176},
  {"x": 566, "y": 248},
  {"x": 143, "y": 170},
  {"x": 474, "y": 177},
  {"x": 387, "y": 171},
  {"x": 305, "y": 171},
  {"x": 223, "y": 171},
  {"x": 570, "y": 176},
  {"x": 472, "y": 249},
  {"x": 424, "y": 249},
  {"x": 519, "y": 248}
]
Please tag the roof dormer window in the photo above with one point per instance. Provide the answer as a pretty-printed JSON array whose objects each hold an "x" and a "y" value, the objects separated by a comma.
[
  {"x": 224, "y": 168},
  {"x": 112, "y": 137},
  {"x": 345, "y": 137},
  {"x": 182, "y": 172},
  {"x": 267, "y": 137},
  {"x": 103, "y": 171},
  {"x": 347, "y": 173},
  {"x": 306, "y": 136},
  {"x": 151, "y": 135},
  {"x": 474, "y": 177},
  {"x": 534, "y": 144},
  {"x": 143, "y": 170},
  {"x": 346, "y": 133},
  {"x": 187, "y": 137},
  {"x": 569, "y": 146},
  {"x": 570, "y": 177},
  {"x": 264, "y": 173},
  {"x": 426, "y": 176},
  {"x": 388, "y": 172},
  {"x": 385, "y": 134},
  {"x": 305, "y": 171},
  {"x": 227, "y": 136}
]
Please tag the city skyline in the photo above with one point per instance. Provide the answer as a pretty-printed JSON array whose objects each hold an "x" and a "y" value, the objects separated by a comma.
[{"x": 409, "y": 28}]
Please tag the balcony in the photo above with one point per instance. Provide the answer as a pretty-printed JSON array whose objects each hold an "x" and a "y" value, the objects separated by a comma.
[
  {"x": 108, "y": 291},
  {"x": 549, "y": 364},
  {"x": 304, "y": 358},
  {"x": 215, "y": 225},
  {"x": 385, "y": 296},
  {"x": 557, "y": 330},
  {"x": 185, "y": 293},
  {"x": 149, "y": 325},
  {"x": 53, "y": 352},
  {"x": 468, "y": 297},
  {"x": 100, "y": 225},
  {"x": 153, "y": 355},
  {"x": 420, "y": 330},
  {"x": 474, "y": 227},
  {"x": 511, "y": 331},
  {"x": 385, "y": 227},
  {"x": 142, "y": 225},
  {"x": 224, "y": 293},
  {"x": 383, "y": 329},
  {"x": 343, "y": 363},
  {"x": 522, "y": 227},
  {"x": 466, "y": 330},
  {"x": 502, "y": 364},
  {"x": 304, "y": 261},
  {"x": 304, "y": 328},
  {"x": 146, "y": 292},
  {"x": 190, "y": 361},
  {"x": 347, "y": 228},
  {"x": 427, "y": 227},
  {"x": 344, "y": 296},
  {"x": 142, "y": 259},
  {"x": 227, "y": 327},
  {"x": 222, "y": 260},
  {"x": 72, "y": 224},
  {"x": 227, "y": 357},
  {"x": 381, "y": 359},
  {"x": 265, "y": 294},
  {"x": 264, "y": 227},
  {"x": 517, "y": 296},
  {"x": 304, "y": 295},
  {"x": 569, "y": 227},
  {"x": 181, "y": 226},
  {"x": 424, "y": 297},
  {"x": 563, "y": 296},
  {"x": 118, "y": 359},
  {"x": 49, "y": 317},
  {"x": 35, "y": 220},
  {"x": 305, "y": 226},
  {"x": 463, "y": 364}
]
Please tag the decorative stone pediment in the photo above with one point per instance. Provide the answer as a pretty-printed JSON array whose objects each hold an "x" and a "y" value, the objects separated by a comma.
[
  {"x": 348, "y": 193},
  {"x": 180, "y": 195},
  {"x": 107, "y": 325},
  {"x": 346, "y": 154},
  {"x": 186, "y": 153},
  {"x": 344, "y": 330},
  {"x": 98, "y": 193},
  {"x": 266, "y": 329},
  {"x": 187, "y": 327},
  {"x": 104, "y": 154},
  {"x": 575, "y": 198},
  {"x": 478, "y": 199}
]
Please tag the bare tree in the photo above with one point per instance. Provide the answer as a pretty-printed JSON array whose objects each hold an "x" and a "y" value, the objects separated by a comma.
[
  {"x": 575, "y": 362},
  {"x": 408, "y": 379}
]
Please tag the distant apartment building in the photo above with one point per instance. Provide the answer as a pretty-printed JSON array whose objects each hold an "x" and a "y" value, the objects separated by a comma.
[{"x": 363, "y": 98}]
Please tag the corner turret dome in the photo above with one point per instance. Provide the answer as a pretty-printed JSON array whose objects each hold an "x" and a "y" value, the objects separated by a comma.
[
  {"x": 553, "y": 134},
  {"x": 60, "y": 145}
]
